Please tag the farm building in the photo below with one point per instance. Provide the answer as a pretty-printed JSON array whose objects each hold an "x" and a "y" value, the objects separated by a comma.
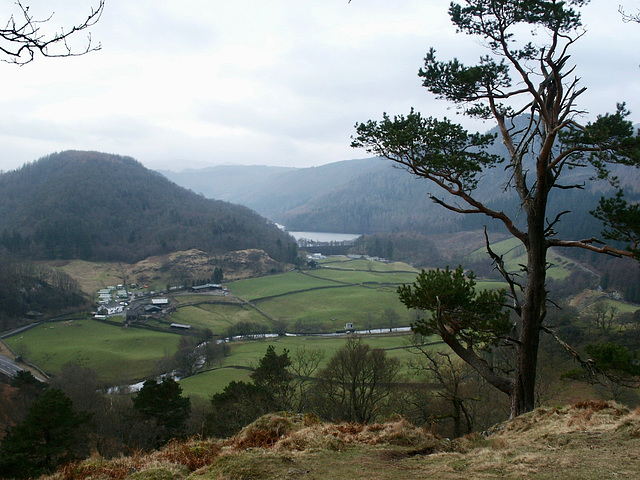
[
  {"x": 111, "y": 308},
  {"x": 152, "y": 309},
  {"x": 135, "y": 312},
  {"x": 206, "y": 287},
  {"x": 180, "y": 326}
]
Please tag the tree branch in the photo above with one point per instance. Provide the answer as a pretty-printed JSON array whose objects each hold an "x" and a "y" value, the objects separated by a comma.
[
  {"x": 503, "y": 384},
  {"x": 20, "y": 40},
  {"x": 587, "y": 244}
]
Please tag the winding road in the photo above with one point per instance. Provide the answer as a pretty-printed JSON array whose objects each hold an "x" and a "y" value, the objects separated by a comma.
[{"x": 9, "y": 367}]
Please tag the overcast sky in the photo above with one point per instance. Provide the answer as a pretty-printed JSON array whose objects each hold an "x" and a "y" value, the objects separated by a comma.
[{"x": 192, "y": 83}]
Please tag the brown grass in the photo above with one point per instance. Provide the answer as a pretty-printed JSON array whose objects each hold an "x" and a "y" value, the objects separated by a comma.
[
  {"x": 164, "y": 269},
  {"x": 586, "y": 441},
  {"x": 193, "y": 454},
  {"x": 97, "y": 467}
]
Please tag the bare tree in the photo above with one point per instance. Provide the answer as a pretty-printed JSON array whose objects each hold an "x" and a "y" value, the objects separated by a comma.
[
  {"x": 450, "y": 379},
  {"x": 603, "y": 315},
  {"x": 304, "y": 364},
  {"x": 357, "y": 383},
  {"x": 25, "y": 35}
]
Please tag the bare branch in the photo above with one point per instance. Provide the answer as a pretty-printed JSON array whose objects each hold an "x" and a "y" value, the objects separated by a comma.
[
  {"x": 588, "y": 244},
  {"x": 549, "y": 230},
  {"x": 22, "y": 38},
  {"x": 629, "y": 17},
  {"x": 592, "y": 367},
  {"x": 499, "y": 262}
]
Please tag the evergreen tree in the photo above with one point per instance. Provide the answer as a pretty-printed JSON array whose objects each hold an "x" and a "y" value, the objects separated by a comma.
[
  {"x": 273, "y": 374},
  {"x": 163, "y": 403},
  {"x": 239, "y": 404},
  {"x": 525, "y": 76},
  {"x": 49, "y": 435}
]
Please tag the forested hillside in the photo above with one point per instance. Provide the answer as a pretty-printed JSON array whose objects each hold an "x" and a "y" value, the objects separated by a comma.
[
  {"x": 96, "y": 206},
  {"x": 29, "y": 290}
]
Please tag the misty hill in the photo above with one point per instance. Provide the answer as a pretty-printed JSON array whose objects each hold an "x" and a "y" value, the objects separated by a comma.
[
  {"x": 271, "y": 191},
  {"x": 373, "y": 195},
  {"x": 97, "y": 206}
]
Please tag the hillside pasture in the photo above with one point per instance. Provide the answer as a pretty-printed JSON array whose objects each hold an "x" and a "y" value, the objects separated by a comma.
[
  {"x": 514, "y": 255},
  {"x": 332, "y": 308},
  {"x": 206, "y": 384},
  {"x": 319, "y": 300},
  {"x": 272, "y": 285},
  {"x": 217, "y": 317},
  {"x": 345, "y": 263},
  {"x": 117, "y": 354},
  {"x": 247, "y": 354},
  {"x": 363, "y": 277}
]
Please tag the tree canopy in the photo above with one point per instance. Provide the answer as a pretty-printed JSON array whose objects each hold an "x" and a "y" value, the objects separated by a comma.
[
  {"x": 48, "y": 436},
  {"x": 524, "y": 75},
  {"x": 163, "y": 402}
]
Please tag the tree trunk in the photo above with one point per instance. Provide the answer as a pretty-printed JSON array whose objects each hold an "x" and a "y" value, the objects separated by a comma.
[
  {"x": 457, "y": 418},
  {"x": 533, "y": 307}
]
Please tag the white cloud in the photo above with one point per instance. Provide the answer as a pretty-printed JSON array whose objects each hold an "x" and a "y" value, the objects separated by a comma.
[{"x": 196, "y": 82}]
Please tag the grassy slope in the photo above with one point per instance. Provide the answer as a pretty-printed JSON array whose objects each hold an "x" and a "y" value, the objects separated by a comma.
[
  {"x": 514, "y": 255},
  {"x": 333, "y": 308},
  {"x": 115, "y": 353},
  {"x": 254, "y": 288},
  {"x": 217, "y": 317},
  {"x": 592, "y": 441},
  {"x": 248, "y": 353},
  {"x": 357, "y": 291},
  {"x": 125, "y": 354}
]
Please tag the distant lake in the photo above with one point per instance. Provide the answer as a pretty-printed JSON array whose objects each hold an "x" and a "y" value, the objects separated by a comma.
[{"x": 324, "y": 236}]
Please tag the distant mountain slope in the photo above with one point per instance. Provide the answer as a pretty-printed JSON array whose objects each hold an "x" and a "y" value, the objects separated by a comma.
[
  {"x": 271, "y": 191},
  {"x": 97, "y": 206},
  {"x": 357, "y": 196},
  {"x": 372, "y": 195}
]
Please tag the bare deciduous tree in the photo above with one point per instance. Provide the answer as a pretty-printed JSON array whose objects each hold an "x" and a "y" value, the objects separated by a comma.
[
  {"x": 603, "y": 315},
  {"x": 304, "y": 364},
  {"x": 451, "y": 378},
  {"x": 357, "y": 383}
]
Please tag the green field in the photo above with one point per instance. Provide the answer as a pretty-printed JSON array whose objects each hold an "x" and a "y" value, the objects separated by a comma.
[
  {"x": 247, "y": 354},
  {"x": 208, "y": 383},
  {"x": 117, "y": 354},
  {"x": 217, "y": 316},
  {"x": 361, "y": 292},
  {"x": 363, "y": 277},
  {"x": 622, "y": 307},
  {"x": 514, "y": 255},
  {"x": 345, "y": 263},
  {"x": 333, "y": 308},
  {"x": 269, "y": 286},
  {"x": 350, "y": 291},
  {"x": 325, "y": 299}
]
